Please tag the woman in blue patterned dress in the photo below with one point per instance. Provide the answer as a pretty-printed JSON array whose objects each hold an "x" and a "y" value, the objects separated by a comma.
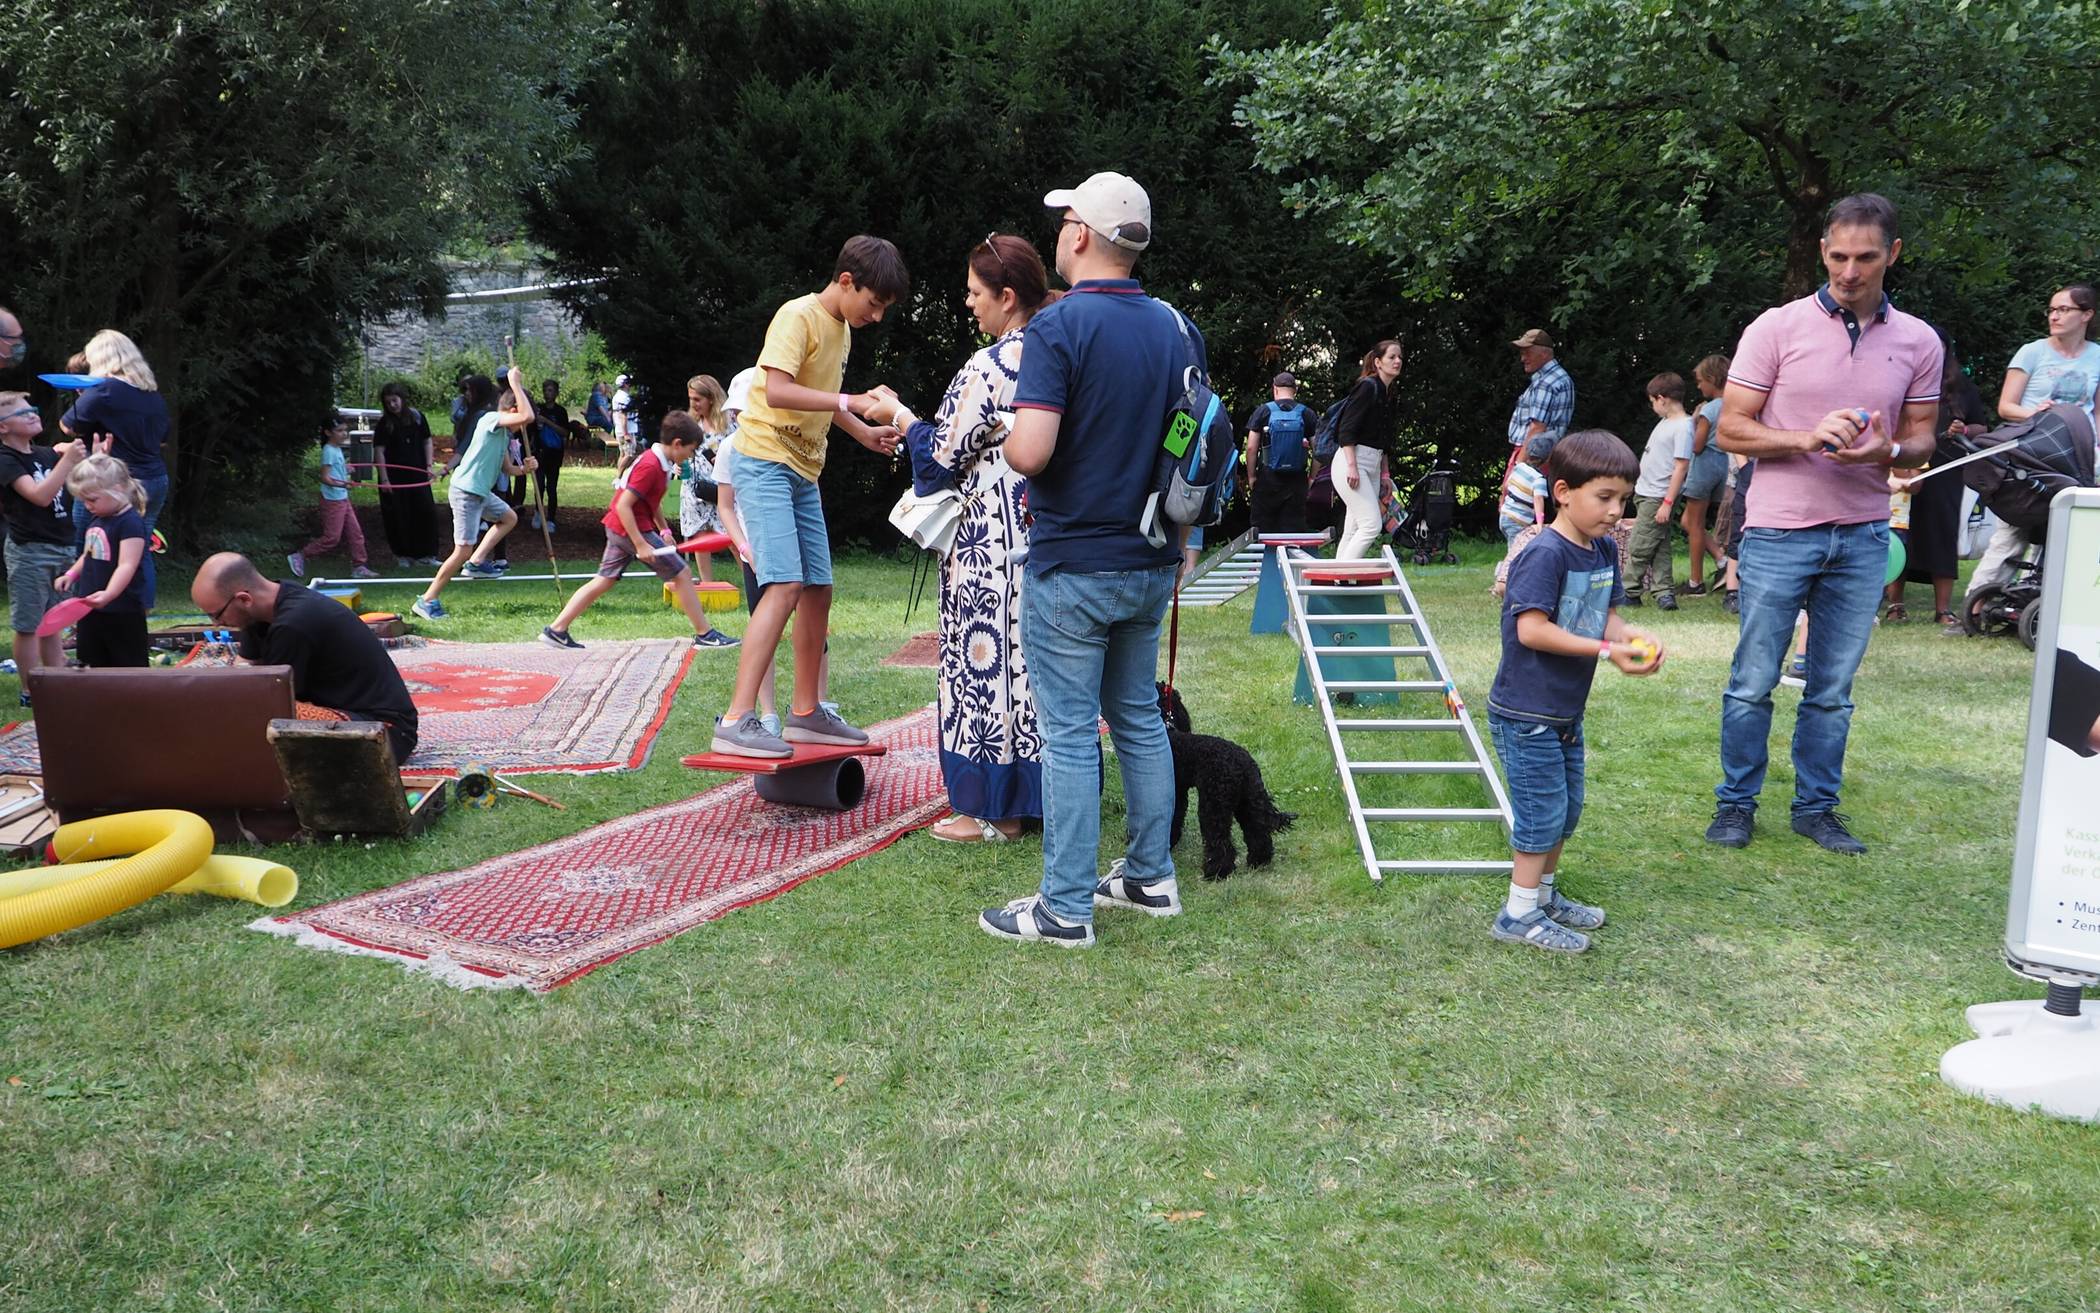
[{"x": 991, "y": 754}]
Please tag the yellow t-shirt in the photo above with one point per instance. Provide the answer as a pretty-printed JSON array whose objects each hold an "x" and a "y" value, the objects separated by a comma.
[{"x": 808, "y": 343}]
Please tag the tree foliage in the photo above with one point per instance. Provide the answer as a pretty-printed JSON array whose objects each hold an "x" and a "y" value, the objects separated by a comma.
[
  {"x": 239, "y": 183},
  {"x": 732, "y": 148},
  {"x": 1645, "y": 175}
]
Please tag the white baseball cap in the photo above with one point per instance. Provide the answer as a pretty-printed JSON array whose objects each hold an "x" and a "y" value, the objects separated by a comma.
[
  {"x": 1112, "y": 205},
  {"x": 620, "y": 382},
  {"x": 738, "y": 397}
]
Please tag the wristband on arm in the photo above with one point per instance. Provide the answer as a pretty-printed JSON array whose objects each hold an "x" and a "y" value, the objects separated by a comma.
[{"x": 1604, "y": 649}]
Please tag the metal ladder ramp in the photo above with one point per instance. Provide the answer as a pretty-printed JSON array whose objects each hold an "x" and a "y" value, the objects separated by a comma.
[
  {"x": 1454, "y": 719},
  {"x": 1225, "y": 573}
]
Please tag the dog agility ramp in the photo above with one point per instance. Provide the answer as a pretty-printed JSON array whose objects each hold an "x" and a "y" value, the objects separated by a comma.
[
  {"x": 1414, "y": 772},
  {"x": 1224, "y": 574}
]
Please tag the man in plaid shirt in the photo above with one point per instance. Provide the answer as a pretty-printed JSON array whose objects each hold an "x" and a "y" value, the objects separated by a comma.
[{"x": 1548, "y": 404}]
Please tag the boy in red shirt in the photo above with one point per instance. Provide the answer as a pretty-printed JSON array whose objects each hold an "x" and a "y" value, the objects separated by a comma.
[{"x": 634, "y": 531}]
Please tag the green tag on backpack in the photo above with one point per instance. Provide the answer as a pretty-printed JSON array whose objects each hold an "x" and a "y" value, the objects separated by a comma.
[{"x": 1180, "y": 432}]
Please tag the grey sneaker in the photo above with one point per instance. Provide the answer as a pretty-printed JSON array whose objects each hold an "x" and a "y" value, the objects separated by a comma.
[
  {"x": 748, "y": 738},
  {"x": 1540, "y": 931},
  {"x": 297, "y": 564},
  {"x": 822, "y": 726},
  {"x": 430, "y": 609},
  {"x": 1564, "y": 910},
  {"x": 1160, "y": 898},
  {"x": 771, "y": 720},
  {"x": 553, "y": 637}
]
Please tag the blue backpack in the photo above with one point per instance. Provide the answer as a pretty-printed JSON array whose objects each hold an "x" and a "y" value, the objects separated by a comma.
[
  {"x": 1286, "y": 444},
  {"x": 1323, "y": 439},
  {"x": 1192, "y": 476}
]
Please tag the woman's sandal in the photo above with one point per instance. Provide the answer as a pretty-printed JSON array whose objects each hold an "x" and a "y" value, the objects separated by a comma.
[
  {"x": 1895, "y": 615},
  {"x": 967, "y": 829}
]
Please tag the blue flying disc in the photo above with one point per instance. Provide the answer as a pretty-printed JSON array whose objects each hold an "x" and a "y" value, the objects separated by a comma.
[{"x": 73, "y": 382}]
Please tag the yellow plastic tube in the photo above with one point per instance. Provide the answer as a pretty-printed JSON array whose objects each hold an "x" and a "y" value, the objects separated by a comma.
[
  {"x": 250, "y": 879},
  {"x": 163, "y": 847}
]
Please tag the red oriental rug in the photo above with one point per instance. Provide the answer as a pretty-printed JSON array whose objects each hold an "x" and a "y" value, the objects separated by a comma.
[
  {"x": 517, "y": 708},
  {"x": 543, "y": 917}
]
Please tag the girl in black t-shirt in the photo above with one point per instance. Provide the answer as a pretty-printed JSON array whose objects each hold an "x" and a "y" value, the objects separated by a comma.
[{"x": 110, "y": 575}]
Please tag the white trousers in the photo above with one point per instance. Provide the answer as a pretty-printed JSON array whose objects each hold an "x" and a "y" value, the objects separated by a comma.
[{"x": 1365, "y": 517}]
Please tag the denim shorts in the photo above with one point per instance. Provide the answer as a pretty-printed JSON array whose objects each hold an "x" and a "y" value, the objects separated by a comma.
[
  {"x": 619, "y": 554},
  {"x": 31, "y": 569},
  {"x": 784, "y": 519},
  {"x": 1707, "y": 476},
  {"x": 1543, "y": 764},
  {"x": 471, "y": 511}
]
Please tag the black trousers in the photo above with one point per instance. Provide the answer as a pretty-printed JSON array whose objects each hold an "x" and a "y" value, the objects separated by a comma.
[
  {"x": 409, "y": 517},
  {"x": 1277, "y": 503},
  {"x": 548, "y": 477},
  {"x": 105, "y": 639}
]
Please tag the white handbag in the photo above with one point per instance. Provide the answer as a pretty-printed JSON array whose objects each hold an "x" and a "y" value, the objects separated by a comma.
[{"x": 929, "y": 521}]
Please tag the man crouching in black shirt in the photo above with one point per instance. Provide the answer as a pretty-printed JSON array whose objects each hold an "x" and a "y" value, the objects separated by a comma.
[{"x": 337, "y": 663}]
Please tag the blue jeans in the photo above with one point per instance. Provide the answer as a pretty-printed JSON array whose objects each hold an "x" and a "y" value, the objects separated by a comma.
[
  {"x": 1835, "y": 571},
  {"x": 1543, "y": 764},
  {"x": 1093, "y": 650},
  {"x": 156, "y": 486}
]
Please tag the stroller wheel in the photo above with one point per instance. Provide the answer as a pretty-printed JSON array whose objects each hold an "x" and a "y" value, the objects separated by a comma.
[
  {"x": 1449, "y": 558},
  {"x": 2030, "y": 623},
  {"x": 1990, "y": 614}
]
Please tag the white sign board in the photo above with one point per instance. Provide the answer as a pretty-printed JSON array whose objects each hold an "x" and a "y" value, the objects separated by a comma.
[{"x": 2052, "y": 924}]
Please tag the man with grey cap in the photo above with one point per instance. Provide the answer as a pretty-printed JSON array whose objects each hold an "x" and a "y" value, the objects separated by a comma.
[
  {"x": 1548, "y": 404},
  {"x": 1100, "y": 370},
  {"x": 1279, "y": 448}
]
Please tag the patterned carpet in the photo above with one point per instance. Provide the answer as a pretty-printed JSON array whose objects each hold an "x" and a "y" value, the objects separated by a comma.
[
  {"x": 518, "y": 708},
  {"x": 543, "y": 917}
]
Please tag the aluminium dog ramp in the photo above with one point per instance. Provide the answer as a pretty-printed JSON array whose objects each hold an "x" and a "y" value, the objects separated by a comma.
[
  {"x": 1409, "y": 741},
  {"x": 1224, "y": 574}
]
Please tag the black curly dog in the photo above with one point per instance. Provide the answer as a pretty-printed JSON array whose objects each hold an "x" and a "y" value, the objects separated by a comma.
[{"x": 1228, "y": 786}]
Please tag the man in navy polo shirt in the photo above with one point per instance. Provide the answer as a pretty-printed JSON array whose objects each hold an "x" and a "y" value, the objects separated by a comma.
[{"x": 1100, "y": 370}]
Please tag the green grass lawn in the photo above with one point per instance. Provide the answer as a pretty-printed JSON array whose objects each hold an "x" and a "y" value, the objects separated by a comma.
[{"x": 1308, "y": 1092}]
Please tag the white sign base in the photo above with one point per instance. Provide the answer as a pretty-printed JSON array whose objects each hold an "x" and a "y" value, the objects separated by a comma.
[{"x": 2029, "y": 1058}]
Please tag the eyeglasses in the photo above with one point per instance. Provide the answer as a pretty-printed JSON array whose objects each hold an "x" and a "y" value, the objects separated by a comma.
[
  {"x": 222, "y": 608},
  {"x": 17, "y": 414},
  {"x": 1070, "y": 218},
  {"x": 2065, "y": 309}
]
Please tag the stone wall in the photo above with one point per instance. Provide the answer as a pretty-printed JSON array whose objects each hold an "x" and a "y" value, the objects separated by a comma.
[{"x": 399, "y": 344}]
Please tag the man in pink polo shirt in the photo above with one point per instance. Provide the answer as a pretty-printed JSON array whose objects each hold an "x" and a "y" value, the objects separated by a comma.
[{"x": 1827, "y": 393}]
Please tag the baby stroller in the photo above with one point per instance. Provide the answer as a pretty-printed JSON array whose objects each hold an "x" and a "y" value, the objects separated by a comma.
[
  {"x": 2027, "y": 465},
  {"x": 1424, "y": 527}
]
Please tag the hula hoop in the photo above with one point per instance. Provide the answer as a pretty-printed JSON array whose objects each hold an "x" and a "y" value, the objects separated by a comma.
[{"x": 391, "y": 487}]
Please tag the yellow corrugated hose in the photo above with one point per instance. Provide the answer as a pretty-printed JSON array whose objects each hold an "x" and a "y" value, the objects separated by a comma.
[
  {"x": 250, "y": 879},
  {"x": 159, "y": 848}
]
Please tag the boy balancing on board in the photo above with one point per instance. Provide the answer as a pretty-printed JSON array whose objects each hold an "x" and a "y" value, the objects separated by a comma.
[
  {"x": 780, "y": 452},
  {"x": 1558, "y": 621},
  {"x": 634, "y": 531}
]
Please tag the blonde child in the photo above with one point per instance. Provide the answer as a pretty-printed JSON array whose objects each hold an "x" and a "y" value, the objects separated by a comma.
[
  {"x": 338, "y": 518},
  {"x": 110, "y": 575}
]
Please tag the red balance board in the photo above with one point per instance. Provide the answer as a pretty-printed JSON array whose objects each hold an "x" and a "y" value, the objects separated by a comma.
[
  {"x": 65, "y": 613},
  {"x": 819, "y": 775},
  {"x": 806, "y": 754},
  {"x": 706, "y": 544}
]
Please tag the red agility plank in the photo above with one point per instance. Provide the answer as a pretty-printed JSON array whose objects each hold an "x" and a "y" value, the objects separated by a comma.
[{"x": 1349, "y": 574}]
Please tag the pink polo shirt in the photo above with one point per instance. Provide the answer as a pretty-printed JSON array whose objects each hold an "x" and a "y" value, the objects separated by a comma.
[{"x": 1803, "y": 356}]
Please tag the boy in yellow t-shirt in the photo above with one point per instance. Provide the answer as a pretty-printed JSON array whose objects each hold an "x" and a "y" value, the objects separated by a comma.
[{"x": 780, "y": 452}]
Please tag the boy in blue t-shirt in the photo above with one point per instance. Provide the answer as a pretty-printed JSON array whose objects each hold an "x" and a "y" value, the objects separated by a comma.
[{"x": 1558, "y": 621}]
